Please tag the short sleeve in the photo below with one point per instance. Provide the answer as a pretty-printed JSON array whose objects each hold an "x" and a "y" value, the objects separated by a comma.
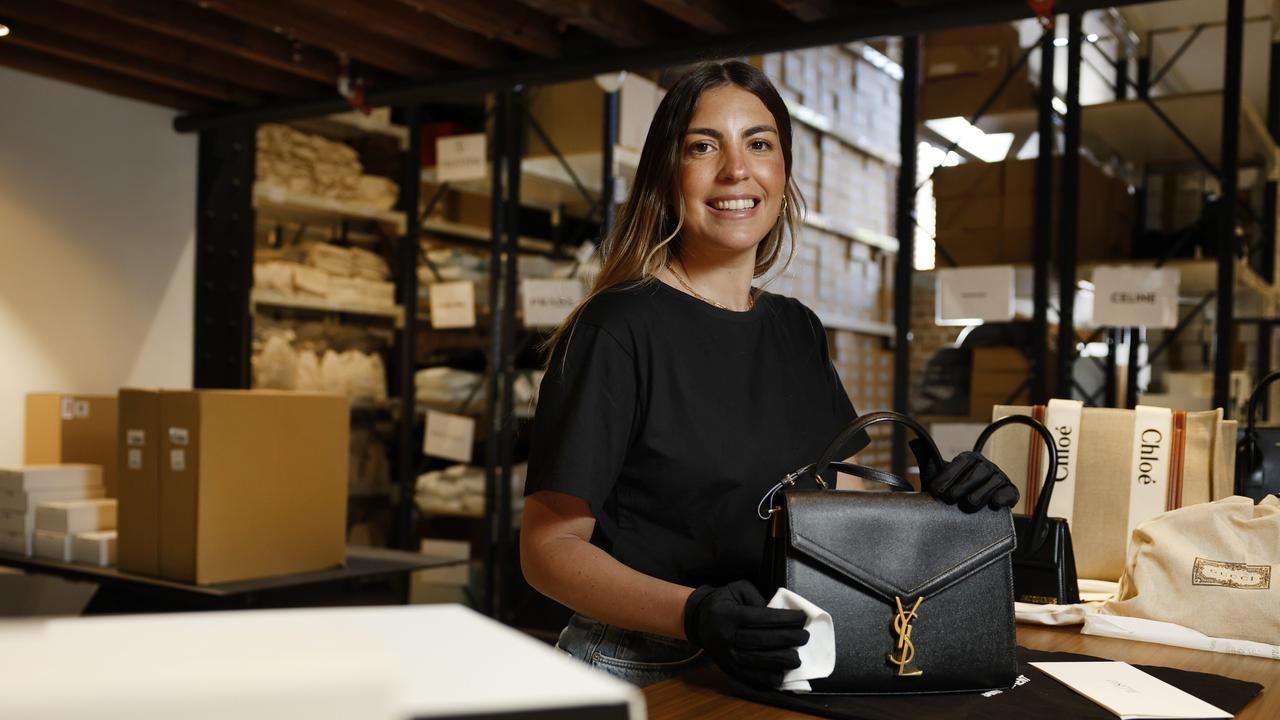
[
  {"x": 585, "y": 419},
  {"x": 842, "y": 410}
]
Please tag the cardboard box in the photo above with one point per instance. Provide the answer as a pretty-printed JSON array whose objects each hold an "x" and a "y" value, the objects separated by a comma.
[
  {"x": 72, "y": 429},
  {"x": 572, "y": 115},
  {"x": 76, "y": 516},
  {"x": 973, "y": 212},
  {"x": 253, "y": 483},
  {"x": 962, "y": 95},
  {"x": 138, "y": 516},
  {"x": 52, "y": 545},
  {"x": 95, "y": 548},
  {"x": 38, "y": 478}
]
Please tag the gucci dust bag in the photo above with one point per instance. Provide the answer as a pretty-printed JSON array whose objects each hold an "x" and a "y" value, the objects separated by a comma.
[
  {"x": 1213, "y": 567},
  {"x": 920, "y": 593}
]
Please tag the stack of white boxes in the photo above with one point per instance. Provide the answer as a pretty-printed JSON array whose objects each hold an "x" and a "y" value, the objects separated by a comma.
[
  {"x": 81, "y": 531},
  {"x": 24, "y": 489}
]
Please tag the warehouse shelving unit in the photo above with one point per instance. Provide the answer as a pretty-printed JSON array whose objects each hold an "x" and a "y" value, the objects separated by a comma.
[{"x": 225, "y": 240}]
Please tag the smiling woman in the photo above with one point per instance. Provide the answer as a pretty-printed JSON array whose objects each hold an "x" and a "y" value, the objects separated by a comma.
[{"x": 676, "y": 395}]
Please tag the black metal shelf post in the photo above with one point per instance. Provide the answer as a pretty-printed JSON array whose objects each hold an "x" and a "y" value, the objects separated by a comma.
[
  {"x": 1044, "y": 226},
  {"x": 407, "y": 450},
  {"x": 224, "y": 256},
  {"x": 1068, "y": 236},
  {"x": 608, "y": 201},
  {"x": 1228, "y": 242},
  {"x": 906, "y": 229}
]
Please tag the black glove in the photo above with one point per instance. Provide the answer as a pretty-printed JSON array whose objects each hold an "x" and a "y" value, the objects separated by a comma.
[
  {"x": 970, "y": 481},
  {"x": 749, "y": 641}
]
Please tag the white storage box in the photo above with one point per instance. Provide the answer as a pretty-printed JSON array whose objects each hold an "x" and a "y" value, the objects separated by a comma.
[
  {"x": 77, "y": 516},
  {"x": 23, "y": 501},
  {"x": 52, "y": 545},
  {"x": 48, "y": 477},
  {"x": 18, "y": 543},
  {"x": 95, "y": 548}
]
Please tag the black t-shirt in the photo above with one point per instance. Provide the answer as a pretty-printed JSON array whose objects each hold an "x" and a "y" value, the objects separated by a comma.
[{"x": 672, "y": 418}]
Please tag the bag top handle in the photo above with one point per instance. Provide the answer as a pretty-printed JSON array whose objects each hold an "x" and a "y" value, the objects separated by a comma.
[
  {"x": 865, "y": 421},
  {"x": 1257, "y": 396},
  {"x": 1038, "y": 532}
]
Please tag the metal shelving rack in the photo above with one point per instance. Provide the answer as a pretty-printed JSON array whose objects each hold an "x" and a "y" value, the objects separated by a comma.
[{"x": 225, "y": 211}]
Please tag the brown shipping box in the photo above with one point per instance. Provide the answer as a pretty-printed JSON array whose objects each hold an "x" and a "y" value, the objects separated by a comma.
[
  {"x": 1099, "y": 526},
  {"x": 138, "y": 514},
  {"x": 252, "y": 483},
  {"x": 999, "y": 377},
  {"x": 964, "y": 67},
  {"x": 64, "y": 428},
  {"x": 572, "y": 115}
]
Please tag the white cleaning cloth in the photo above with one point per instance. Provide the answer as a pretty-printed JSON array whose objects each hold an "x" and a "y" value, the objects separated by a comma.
[{"x": 818, "y": 656}]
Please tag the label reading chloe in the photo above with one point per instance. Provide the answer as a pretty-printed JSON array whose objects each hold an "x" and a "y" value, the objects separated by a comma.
[{"x": 1233, "y": 575}]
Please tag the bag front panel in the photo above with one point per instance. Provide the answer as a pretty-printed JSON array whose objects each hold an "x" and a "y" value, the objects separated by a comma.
[{"x": 963, "y": 638}]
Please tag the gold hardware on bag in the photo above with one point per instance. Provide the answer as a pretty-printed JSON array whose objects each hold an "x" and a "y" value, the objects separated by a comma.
[{"x": 906, "y": 650}]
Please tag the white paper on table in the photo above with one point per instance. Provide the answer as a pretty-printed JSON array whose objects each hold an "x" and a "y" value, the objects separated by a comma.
[
  {"x": 1129, "y": 692},
  {"x": 1163, "y": 633}
]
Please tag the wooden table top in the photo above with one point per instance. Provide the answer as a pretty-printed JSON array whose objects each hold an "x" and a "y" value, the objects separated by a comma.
[{"x": 704, "y": 694}]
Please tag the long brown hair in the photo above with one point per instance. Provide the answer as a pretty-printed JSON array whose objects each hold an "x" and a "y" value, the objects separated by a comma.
[{"x": 651, "y": 217}]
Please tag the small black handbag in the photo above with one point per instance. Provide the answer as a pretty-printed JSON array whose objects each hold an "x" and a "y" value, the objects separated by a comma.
[
  {"x": 920, "y": 593},
  {"x": 1258, "y": 451},
  {"x": 1044, "y": 564}
]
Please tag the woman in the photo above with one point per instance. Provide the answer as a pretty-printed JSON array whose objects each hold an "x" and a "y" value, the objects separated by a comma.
[{"x": 677, "y": 394}]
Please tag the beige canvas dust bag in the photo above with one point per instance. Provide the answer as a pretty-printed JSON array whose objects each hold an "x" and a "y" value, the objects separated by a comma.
[
  {"x": 1197, "y": 463},
  {"x": 1211, "y": 567}
]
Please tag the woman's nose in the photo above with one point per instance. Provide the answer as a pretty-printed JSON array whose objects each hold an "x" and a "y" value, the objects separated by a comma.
[{"x": 735, "y": 166}]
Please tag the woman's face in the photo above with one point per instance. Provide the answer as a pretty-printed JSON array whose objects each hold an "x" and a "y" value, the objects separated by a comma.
[{"x": 732, "y": 173}]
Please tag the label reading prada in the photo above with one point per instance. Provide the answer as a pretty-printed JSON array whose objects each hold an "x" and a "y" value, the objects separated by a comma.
[{"x": 1228, "y": 574}]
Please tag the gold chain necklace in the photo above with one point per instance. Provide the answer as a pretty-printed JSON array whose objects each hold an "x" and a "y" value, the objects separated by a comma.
[{"x": 751, "y": 298}]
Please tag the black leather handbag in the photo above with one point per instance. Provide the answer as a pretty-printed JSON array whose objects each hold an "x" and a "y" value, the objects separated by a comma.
[
  {"x": 920, "y": 593},
  {"x": 1044, "y": 564},
  {"x": 1258, "y": 451}
]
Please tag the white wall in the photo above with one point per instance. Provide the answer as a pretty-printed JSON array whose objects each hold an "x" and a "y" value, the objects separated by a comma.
[{"x": 97, "y": 245}]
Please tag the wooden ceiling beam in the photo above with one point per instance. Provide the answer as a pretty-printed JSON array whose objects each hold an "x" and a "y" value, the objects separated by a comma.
[
  {"x": 111, "y": 33},
  {"x": 505, "y": 20},
  {"x": 59, "y": 69},
  {"x": 808, "y": 10},
  {"x": 624, "y": 23},
  {"x": 303, "y": 22},
  {"x": 717, "y": 17},
  {"x": 125, "y": 63},
  {"x": 390, "y": 18},
  {"x": 216, "y": 32}
]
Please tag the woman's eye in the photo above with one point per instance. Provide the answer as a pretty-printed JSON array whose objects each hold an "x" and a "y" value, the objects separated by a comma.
[
  {"x": 700, "y": 147},
  {"x": 760, "y": 145}
]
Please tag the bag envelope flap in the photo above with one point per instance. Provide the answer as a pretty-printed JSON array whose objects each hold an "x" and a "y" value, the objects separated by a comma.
[{"x": 896, "y": 544}]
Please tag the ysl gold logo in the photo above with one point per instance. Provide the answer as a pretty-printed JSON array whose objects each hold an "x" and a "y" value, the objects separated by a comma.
[{"x": 906, "y": 650}]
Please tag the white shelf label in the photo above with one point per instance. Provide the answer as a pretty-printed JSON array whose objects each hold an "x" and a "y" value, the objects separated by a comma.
[
  {"x": 547, "y": 303},
  {"x": 975, "y": 293},
  {"x": 1136, "y": 297},
  {"x": 461, "y": 157},
  {"x": 449, "y": 436},
  {"x": 453, "y": 305}
]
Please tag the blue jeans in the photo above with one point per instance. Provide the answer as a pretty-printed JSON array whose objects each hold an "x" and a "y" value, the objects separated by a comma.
[{"x": 639, "y": 658}]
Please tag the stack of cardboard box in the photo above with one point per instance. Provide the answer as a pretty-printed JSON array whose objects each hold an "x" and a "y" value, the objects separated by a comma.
[
  {"x": 964, "y": 67},
  {"x": 76, "y": 530},
  {"x": 865, "y": 367},
  {"x": 838, "y": 278},
  {"x": 1000, "y": 377},
  {"x": 986, "y": 212},
  {"x": 226, "y": 485},
  {"x": 22, "y": 490}
]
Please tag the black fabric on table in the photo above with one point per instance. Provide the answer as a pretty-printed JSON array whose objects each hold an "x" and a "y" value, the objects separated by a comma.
[{"x": 1042, "y": 698}]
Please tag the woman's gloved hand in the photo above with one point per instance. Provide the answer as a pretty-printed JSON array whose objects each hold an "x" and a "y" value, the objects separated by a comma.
[
  {"x": 970, "y": 481},
  {"x": 751, "y": 642}
]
